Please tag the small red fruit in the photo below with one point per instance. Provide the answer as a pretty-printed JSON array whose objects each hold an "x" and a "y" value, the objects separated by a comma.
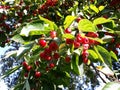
[
  {"x": 78, "y": 19},
  {"x": 51, "y": 65},
  {"x": 37, "y": 63},
  {"x": 37, "y": 74},
  {"x": 48, "y": 57},
  {"x": 53, "y": 34},
  {"x": 85, "y": 46},
  {"x": 29, "y": 68},
  {"x": 42, "y": 43},
  {"x": 53, "y": 46},
  {"x": 76, "y": 44},
  {"x": 85, "y": 40},
  {"x": 24, "y": 64},
  {"x": 92, "y": 34},
  {"x": 69, "y": 41},
  {"x": 67, "y": 59},
  {"x": 117, "y": 45},
  {"x": 56, "y": 56},
  {"x": 26, "y": 74},
  {"x": 42, "y": 55},
  {"x": 79, "y": 38},
  {"x": 85, "y": 54},
  {"x": 85, "y": 60},
  {"x": 67, "y": 30}
]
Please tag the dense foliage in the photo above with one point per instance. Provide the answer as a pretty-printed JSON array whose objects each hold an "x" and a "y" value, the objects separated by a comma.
[{"x": 60, "y": 37}]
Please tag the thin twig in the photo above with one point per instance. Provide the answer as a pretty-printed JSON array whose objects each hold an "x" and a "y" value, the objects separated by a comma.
[{"x": 97, "y": 72}]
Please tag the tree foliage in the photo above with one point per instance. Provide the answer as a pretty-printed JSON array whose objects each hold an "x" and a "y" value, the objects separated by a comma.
[{"x": 59, "y": 37}]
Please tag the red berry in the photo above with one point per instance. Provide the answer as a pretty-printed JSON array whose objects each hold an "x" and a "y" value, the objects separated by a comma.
[
  {"x": 42, "y": 55},
  {"x": 117, "y": 45},
  {"x": 56, "y": 56},
  {"x": 29, "y": 68},
  {"x": 37, "y": 74},
  {"x": 76, "y": 44},
  {"x": 85, "y": 40},
  {"x": 79, "y": 38},
  {"x": 37, "y": 63},
  {"x": 47, "y": 51},
  {"x": 67, "y": 30},
  {"x": 26, "y": 74},
  {"x": 48, "y": 57},
  {"x": 53, "y": 46},
  {"x": 69, "y": 41},
  {"x": 91, "y": 41},
  {"x": 53, "y": 34},
  {"x": 67, "y": 59},
  {"x": 85, "y": 54},
  {"x": 85, "y": 60},
  {"x": 51, "y": 65},
  {"x": 78, "y": 19},
  {"x": 85, "y": 46},
  {"x": 42, "y": 43},
  {"x": 24, "y": 64},
  {"x": 92, "y": 34}
]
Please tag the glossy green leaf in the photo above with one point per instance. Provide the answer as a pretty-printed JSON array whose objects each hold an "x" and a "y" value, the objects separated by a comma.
[
  {"x": 93, "y": 54},
  {"x": 70, "y": 36},
  {"x": 101, "y": 8},
  {"x": 112, "y": 86},
  {"x": 68, "y": 21},
  {"x": 102, "y": 20},
  {"x": 35, "y": 28},
  {"x": 86, "y": 26},
  {"x": 24, "y": 49},
  {"x": 17, "y": 38},
  {"x": 10, "y": 53},
  {"x": 94, "y": 8},
  {"x": 10, "y": 71},
  {"x": 74, "y": 64},
  {"x": 105, "y": 55},
  {"x": 113, "y": 55},
  {"x": 26, "y": 85},
  {"x": 51, "y": 24},
  {"x": 107, "y": 38}
]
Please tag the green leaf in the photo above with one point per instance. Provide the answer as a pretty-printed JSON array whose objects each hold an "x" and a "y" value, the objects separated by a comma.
[
  {"x": 105, "y": 55},
  {"x": 113, "y": 55},
  {"x": 101, "y": 8},
  {"x": 107, "y": 38},
  {"x": 10, "y": 71},
  {"x": 74, "y": 64},
  {"x": 86, "y": 26},
  {"x": 10, "y": 53},
  {"x": 70, "y": 36},
  {"x": 26, "y": 85},
  {"x": 23, "y": 49},
  {"x": 35, "y": 28},
  {"x": 17, "y": 38},
  {"x": 94, "y": 8},
  {"x": 93, "y": 54},
  {"x": 102, "y": 20},
  {"x": 52, "y": 25},
  {"x": 68, "y": 21},
  {"x": 112, "y": 86}
]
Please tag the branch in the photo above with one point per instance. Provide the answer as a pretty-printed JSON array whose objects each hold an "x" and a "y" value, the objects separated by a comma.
[{"x": 97, "y": 72}]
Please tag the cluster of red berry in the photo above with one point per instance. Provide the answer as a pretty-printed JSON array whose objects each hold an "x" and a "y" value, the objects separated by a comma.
[
  {"x": 28, "y": 68},
  {"x": 84, "y": 40}
]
